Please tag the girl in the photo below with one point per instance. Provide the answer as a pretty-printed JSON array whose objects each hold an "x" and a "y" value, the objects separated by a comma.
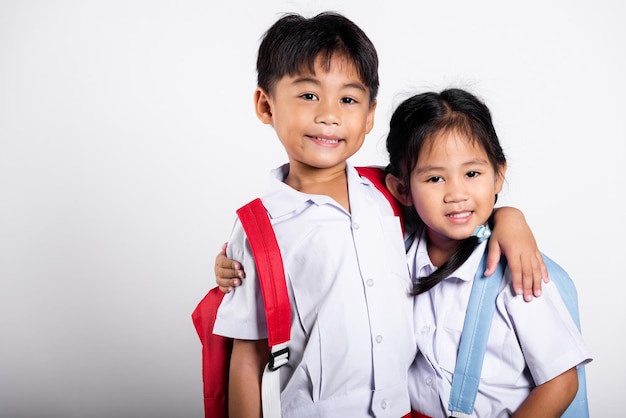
[{"x": 447, "y": 166}]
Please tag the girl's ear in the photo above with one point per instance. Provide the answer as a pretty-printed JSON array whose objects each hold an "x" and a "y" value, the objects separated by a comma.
[
  {"x": 262, "y": 106},
  {"x": 500, "y": 178},
  {"x": 398, "y": 190}
]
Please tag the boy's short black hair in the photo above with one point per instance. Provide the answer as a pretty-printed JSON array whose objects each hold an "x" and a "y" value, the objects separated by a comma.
[{"x": 293, "y": 43}]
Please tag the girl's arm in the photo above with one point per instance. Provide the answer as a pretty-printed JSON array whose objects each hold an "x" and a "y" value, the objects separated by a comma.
[
  {"x": 512, "y": 237},
  {"x": 550, "y": 399},
  {"x": 244, "y": 383},
  {"x": 228, "y": 273}
]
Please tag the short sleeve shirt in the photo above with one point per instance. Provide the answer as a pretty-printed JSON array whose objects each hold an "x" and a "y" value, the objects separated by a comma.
[
  {"x": 529, "y": 343},
  {"x": 349, "y": 286}
]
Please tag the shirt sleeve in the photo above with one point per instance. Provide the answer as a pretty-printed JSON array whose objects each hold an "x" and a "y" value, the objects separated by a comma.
[
  {"x": 547, "y": 334},
  {"x": 242, "y": 314}
]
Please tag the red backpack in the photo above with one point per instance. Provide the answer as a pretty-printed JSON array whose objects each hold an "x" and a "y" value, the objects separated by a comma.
[{"x": 216, "y": 349}]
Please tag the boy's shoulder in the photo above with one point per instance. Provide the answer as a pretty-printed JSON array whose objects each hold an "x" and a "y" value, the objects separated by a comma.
[{"x": 376, "y": 175}]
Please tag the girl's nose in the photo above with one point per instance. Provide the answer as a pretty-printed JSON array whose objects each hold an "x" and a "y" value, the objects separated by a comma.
[{"x": 455, "y": 192}]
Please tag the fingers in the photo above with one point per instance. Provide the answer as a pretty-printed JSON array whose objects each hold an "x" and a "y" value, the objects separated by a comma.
[
  {"x": 544, "y": 269},
  {"x": 228, "y": 273},
  {"x": 493, "y": 257},
  {"x": 228, "y": 269},
  {"x": 225, "y": 281},
  {"x": 226, "y": 289},
  {"x": 528, "y": 272}
]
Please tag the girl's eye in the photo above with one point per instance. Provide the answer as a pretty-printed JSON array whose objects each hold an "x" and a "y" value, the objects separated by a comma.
[
  {"x": 309, "y": 96},
  {"x": 434, "y": 179},
  {"x": 348, "y": 100},
  {"x": 472, "y": 174}
]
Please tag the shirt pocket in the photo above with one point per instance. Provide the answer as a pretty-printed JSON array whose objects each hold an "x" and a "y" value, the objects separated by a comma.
[
  {"x": 449, "y": 339},
  {"x": 394, "y": 245}
]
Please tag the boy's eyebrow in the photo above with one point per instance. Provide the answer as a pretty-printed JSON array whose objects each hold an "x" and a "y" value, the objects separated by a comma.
[{"x": 308, "y": 79}]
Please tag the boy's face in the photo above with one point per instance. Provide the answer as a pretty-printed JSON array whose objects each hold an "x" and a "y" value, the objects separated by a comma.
[
  {"x": 321, "y": 119},
  {"x": 453, "y": 187}
]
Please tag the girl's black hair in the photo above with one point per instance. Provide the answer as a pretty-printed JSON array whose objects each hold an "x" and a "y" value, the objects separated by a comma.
[
  {"x": 417, "y": 120},
  {"x": 292, "y": 45}
]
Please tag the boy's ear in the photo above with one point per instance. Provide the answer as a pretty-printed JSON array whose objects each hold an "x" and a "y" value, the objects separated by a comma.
[
  {"x": 398, "y": 190},
  {"x": 262, "y": 106},
  {"x": 370, "y": 117}
]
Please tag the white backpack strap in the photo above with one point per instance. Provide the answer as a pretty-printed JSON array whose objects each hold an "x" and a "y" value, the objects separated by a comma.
[
  {"x": 270, "y": 386},
  {"x": 270, "y": 393}
]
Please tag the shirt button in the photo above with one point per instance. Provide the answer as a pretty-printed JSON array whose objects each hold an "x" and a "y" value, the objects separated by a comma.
[
  {"x": 355, "y": 225},
  {"x": 429, "y": 381},
  {"x": 379, "y": 339},
  {"x": 425, "y": 330},
  {"x": 383, "y": 405},
  {"x": 370, "y": 282}
]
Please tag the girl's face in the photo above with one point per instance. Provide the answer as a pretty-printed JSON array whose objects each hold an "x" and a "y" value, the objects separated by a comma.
[{"x": 453, "y": 187}]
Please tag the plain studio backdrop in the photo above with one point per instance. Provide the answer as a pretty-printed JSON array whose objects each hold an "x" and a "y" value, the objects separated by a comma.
[{"x": 128, "y": 139}]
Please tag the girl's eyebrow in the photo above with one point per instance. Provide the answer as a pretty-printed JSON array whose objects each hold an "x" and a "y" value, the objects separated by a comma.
[{"x": 474, "y": 161}]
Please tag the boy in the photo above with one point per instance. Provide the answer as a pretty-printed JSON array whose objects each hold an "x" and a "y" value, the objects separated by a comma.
[{"x": 343, "y": 251}]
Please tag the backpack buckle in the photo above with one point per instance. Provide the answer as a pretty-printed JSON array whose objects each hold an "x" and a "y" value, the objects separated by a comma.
[{"x": 278, "y": 358}]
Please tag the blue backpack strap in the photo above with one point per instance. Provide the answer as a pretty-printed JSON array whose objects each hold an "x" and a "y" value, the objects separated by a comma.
[
  {"x": 478, "y": 319},
  {"x": 579, "y": 408},
  {"x": 466, "y": 376}
]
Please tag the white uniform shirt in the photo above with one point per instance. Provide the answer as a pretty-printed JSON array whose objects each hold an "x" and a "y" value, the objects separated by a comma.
[
  {"x": 349, "y": 287},
  {"x": 529, "y": 343}
]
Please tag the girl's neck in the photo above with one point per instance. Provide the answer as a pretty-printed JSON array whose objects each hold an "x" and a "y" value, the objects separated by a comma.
[{"x": 440, "y": 249}]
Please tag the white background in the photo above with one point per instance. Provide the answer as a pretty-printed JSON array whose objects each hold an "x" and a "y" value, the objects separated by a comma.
[{"x": 128, "y": 139}]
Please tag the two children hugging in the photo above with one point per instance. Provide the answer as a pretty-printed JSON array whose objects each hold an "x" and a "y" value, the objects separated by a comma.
[{"x": 352, "y": 296}]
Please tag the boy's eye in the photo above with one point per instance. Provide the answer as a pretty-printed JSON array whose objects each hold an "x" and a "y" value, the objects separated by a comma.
[
  {"x": 309, "y": 96},
  {"x": 348, "y": 100},
  {"x": 471, "y": 174}
]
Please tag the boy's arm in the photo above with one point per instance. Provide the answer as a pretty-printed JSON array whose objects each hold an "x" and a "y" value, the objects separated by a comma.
[
  {"x": 244, "y": 382},
  {"x": 550, "y": 399},
  {"x": 512, "y": 237}
]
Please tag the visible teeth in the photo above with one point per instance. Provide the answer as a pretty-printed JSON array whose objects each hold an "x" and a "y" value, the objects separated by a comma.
[
  {"x": 459, "y": 215},
  {"x": 328, "y": 141}
]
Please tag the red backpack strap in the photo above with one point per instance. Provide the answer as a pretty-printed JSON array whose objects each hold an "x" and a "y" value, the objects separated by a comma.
[
  {"x": 377, "y": 176},
  {"x": 271, "y": 273},
  {"x": 216, "y": 350},
  {"x": 215, "y": 355}
]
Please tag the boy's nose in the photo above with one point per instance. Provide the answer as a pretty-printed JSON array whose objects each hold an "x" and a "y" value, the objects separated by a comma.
[{"x": 328, "y": 114}]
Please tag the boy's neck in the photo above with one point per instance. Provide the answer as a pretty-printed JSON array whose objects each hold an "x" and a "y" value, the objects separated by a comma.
[{"x": 331, "y": 182}]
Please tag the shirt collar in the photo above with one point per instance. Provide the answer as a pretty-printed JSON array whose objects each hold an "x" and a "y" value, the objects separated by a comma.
[
  {"x": 281, "y": 199},
  {"x": 465, "y": 272}
]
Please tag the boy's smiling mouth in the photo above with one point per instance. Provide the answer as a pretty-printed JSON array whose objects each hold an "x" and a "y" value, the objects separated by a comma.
[{"x": 325, "y": 140}]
